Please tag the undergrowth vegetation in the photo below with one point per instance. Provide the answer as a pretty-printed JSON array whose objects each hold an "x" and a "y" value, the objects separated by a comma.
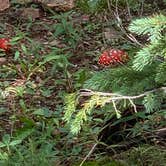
[
  {"x": 58, "y": 106},
  {"x": 141, "y": 78}
]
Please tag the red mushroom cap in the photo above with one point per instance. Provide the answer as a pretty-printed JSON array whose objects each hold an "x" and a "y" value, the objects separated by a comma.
[
  {"x": 5, "y": 44},
  {"x": 104, "y": 59},
  {"x": 113, "y": 57}
]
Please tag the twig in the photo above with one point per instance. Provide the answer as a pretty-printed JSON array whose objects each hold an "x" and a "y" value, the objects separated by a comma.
[
  {"x": 161, "y": 132},
  {"x": 130, "y": 36},
  {"x": 115, "y": 96},
  {"x": 116, "y": 110},
  {"x": 88, "y": 155},
  {"x": 109, "y": 5},
  {"x": 142, "y": 8},
  {"x": 128, "y": 8},
  {"x": 134, "y": 106}
]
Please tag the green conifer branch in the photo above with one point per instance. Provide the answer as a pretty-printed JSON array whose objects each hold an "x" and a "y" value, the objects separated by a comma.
[
  {"x": 151, "y": 26},
  {"x": 70, "y": 106},
  {"x": 147, "y": 72}
]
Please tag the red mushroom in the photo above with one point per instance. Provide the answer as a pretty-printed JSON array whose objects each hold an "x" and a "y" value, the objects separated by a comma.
[
  {"x": 113, "y": 57},
  {"x": 104, "y": 59},
  {"x": 5, "y": 44}
]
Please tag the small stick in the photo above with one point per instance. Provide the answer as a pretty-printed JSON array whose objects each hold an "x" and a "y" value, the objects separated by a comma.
[{"x": 88, "y": 155}]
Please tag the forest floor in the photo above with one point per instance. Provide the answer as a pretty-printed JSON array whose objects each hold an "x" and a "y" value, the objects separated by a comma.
[{"x": 53, "y": 54}]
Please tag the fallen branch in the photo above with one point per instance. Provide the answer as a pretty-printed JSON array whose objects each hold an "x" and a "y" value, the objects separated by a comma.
[{"x": 115, "y": 96}]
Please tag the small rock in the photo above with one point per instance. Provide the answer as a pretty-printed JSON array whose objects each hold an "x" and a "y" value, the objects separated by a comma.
[
  {"x": 30, "y": 12},
  {"x": 4, "y": 4},
  {"x": 2, "y": 60},
  {"x": 58, "y": 5}
]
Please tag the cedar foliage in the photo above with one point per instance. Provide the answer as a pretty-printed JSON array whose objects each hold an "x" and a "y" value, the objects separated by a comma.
[{"x": 146, "y": 71}]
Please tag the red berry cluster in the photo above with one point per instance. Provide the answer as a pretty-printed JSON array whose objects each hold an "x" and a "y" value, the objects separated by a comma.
[
  {"x": 113, "y": 57},
  {"x": 5, "y": 44}
]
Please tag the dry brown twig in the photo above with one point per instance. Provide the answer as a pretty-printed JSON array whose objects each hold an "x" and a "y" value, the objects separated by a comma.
[
  {"x": 89, "y": 154},
  {"x": 130, "y": 36}
]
